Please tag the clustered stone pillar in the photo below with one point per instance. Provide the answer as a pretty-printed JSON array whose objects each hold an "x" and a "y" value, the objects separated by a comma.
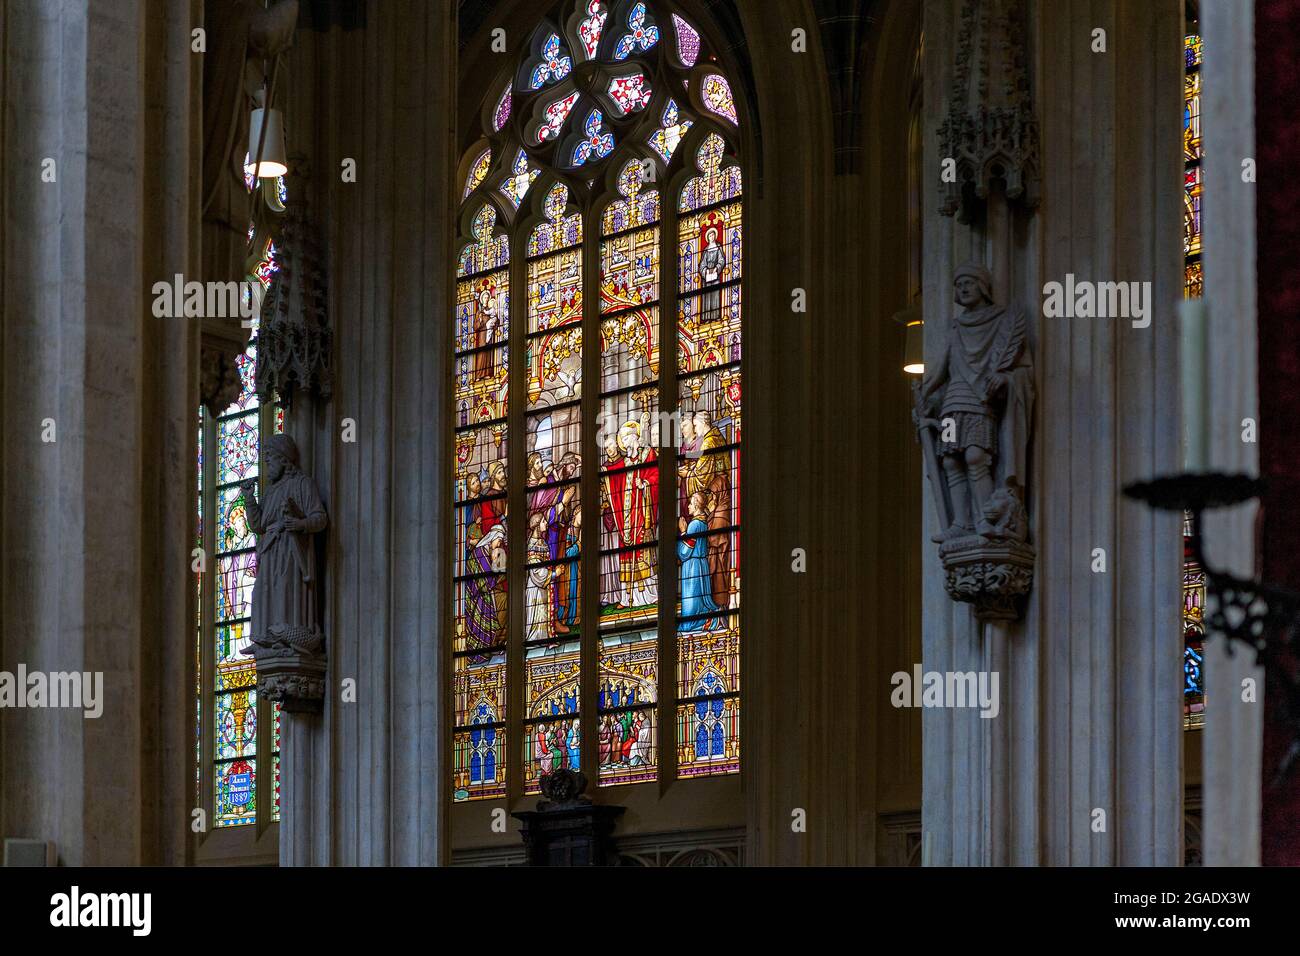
[
  {"x": 97, "y": 417},
  {"x": 1083, "y": 764}
]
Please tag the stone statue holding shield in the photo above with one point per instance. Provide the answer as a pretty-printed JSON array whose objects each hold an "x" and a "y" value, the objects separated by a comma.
[{"x": 973, "y": 414}]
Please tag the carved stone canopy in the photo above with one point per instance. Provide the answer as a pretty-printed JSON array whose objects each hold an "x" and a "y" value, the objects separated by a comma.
[
  {"x": 990, "y": 132},
  {"x": 294, "y": 340}
]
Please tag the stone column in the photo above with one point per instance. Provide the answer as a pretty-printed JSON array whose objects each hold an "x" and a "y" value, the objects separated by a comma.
[
  {"x": 97, "y": 525},
  {"x": 1089, "y": 678},
  {"x": 363, "y": 781},
  {"x": 1233, "y": 728}
]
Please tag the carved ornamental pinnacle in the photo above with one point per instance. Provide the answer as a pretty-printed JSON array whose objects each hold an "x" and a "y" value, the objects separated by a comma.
[
  {"x": 294, "y": 341},
  {"x": 990, "y": 132},
  {"x": 973, "y": 414}
]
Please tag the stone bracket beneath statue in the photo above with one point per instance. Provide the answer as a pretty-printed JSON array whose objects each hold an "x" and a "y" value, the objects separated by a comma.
[
  {"x": 994, "y": 574},
  {"x": 291, "y": 669}
]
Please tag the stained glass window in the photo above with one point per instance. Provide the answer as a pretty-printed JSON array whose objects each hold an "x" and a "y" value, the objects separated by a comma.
[
  {"x": 478, "y": 171},
  {"x": 228, "y": 711},
  {"x": 688, "y": 41},
  {"x": 1192, "y": 165},
  {"x": 557, "y": 111},
  {"x": 708, "y": 512},
  {"x": 665, "y": 139},
  {"x": 501, "y": 114},
  {"x": 235, "y": 710},
  {"x": 555, "y": 63},
  {"x": 591, "y": 27},
  {"x": 717, "y": 96},
  {"x": 575, "y": 659},
  {"x": 1193, "y": 584},
  {"x": 480, "y": 586}
]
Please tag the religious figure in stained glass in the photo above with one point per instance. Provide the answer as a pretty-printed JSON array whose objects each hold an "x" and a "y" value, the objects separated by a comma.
[
  {"x": 630, "y": 503},
  {"x": 708, "y": 476},
  {"x": 487, "y": 326},
  {"x": 485, "y": 611},
  {"x": 712, "y": 261}
]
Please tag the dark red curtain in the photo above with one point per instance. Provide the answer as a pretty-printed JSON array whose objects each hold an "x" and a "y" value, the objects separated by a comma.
[{"x": 1277, "y": 137}]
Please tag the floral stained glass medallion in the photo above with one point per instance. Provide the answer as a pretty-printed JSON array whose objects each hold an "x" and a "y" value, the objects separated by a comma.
[
  {"x": 641, "y": 35},
  {"x": 629, "y": 93},
  {"x": 591, "y": 27},
  {"x": 596, "y": 142},
  {"x": 555, "y": 63}
]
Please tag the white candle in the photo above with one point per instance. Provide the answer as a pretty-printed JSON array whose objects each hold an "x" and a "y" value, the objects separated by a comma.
[{"x": 1193, "y": 341}]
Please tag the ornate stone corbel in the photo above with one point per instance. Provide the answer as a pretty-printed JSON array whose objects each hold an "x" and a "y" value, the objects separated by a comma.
[
  {"x": 990, "y": 131},
  {"x": 294, "y": 339},
  {"x": 973, "y": 414}
]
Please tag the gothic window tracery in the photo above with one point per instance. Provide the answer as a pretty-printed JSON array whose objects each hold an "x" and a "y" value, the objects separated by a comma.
[{"x": 606, "y": 221}]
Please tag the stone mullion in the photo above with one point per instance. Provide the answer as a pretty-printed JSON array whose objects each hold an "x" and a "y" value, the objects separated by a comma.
[
  {"x": 516, "y": 515},
  {"x": 589, "y": 620},
  {"x": 265, "y": 785},
  {"x": 668, "y": 444},
  {"x": 207, "y": 625}
]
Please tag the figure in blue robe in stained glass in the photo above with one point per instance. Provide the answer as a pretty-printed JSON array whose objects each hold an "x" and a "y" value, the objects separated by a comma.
[
  {"x": 696, "y": 582},
  {"x": 571, "y": 551}
]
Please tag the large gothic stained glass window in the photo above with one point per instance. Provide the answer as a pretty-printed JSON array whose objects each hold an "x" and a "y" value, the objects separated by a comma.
[{"x": 605, "y": 192}]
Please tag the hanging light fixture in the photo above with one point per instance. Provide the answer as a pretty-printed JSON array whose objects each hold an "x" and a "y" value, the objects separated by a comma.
[
  {"x": 913, "y": 340},
  {"x": 266, "y": 139}
]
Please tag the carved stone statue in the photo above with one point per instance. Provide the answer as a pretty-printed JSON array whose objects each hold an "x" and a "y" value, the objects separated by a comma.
[
  {"x": 287, "y": 640},
  {"x": 973, "y": 414}
]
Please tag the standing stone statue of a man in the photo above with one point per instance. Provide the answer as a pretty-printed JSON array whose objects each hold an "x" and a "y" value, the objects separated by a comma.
[
  {"x": 983, "y": 393},
  {"x": 285, "y": 599}
]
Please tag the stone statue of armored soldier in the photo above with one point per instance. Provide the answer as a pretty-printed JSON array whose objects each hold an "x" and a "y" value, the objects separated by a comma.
[
  {"x": 973, "y": 414},
  {"x": 286, "y": 629}
]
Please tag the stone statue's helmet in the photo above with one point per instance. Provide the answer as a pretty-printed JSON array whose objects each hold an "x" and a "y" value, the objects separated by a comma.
[
  {"x": 981, "y": 275},
  {"x": 283, "y": 447}
]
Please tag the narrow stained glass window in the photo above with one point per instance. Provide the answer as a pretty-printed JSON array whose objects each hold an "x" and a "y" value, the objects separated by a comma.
[
  {"x": 228, "y": 709},
  {"x": 480, "y": 580},
  {"x": 1193, "y": 584},
  {"x": 708, "y": 518},
  {"x": 617, "y": 652},
  {"x": 629, "y": 482}
]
